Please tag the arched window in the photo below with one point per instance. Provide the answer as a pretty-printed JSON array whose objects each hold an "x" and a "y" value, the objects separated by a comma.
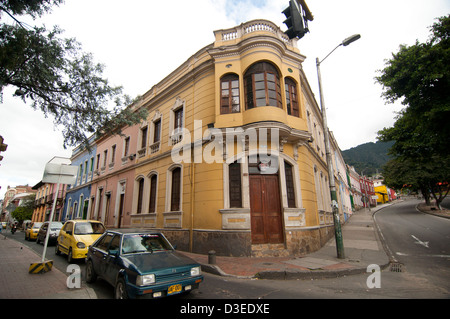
[
  {"x": 291, "y": 97},
  {"x": 229, "y": 96},
  {"x": 262, "y": 86}
]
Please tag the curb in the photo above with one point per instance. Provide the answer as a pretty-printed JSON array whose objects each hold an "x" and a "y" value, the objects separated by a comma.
[
  {"x": 381, "y": 238},
  {"x": 430, "y": 213},
  {"x": 216, "y": 270},
  {"x": 293, "y": 274},
  {"x": 319, "y": 274}
]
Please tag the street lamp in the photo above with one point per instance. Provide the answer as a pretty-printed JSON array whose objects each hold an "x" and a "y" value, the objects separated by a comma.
[{"x": 334, "y": 203}]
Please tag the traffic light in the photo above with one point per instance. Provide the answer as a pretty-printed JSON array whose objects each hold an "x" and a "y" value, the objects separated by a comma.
[{"x": 295, "y": 21}]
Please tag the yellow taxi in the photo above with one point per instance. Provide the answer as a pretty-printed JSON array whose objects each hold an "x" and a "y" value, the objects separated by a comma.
[
  {"x": 76, "y": 236},
  {"x": 32, "y": 231}
]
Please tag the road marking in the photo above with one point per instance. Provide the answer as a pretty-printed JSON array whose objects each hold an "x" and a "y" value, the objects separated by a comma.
[{"x": 423, "y": 243}]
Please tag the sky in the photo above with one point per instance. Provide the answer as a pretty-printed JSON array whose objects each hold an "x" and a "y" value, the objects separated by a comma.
[{"x": 140, "y": 42}]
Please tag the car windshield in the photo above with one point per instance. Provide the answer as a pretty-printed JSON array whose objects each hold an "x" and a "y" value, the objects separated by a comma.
[
  {"x": 140, "y": 243},
  {"x": 56, "y": 226},
  {"x": 88, "y": 228},
  {"x": 37, "y": 225}
]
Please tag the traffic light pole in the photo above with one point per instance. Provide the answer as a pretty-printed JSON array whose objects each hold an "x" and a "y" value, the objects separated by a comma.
[{"x": 334, "y": 203}]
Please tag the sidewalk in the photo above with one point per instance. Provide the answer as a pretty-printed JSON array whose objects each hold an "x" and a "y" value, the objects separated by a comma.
[
  {"x": 17, "y": 283},
  {"x": 362, "y": 247}
]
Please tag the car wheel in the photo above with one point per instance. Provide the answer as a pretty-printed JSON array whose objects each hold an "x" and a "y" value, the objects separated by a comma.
[
  {"x": 69, "y": 256},
  {"x": 91, "y": 276},
  {"x": 57, "y": 251},
  {"x": 120, "y": 291}
]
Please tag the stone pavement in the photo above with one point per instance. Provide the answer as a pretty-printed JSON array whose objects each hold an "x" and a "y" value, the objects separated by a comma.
[
  {"x": 362, "y": 247},
  {"x": 17, "y": 283}
]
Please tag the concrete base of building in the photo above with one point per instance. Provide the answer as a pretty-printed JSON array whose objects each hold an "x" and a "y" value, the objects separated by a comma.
[{"x": 297, "y": 242}]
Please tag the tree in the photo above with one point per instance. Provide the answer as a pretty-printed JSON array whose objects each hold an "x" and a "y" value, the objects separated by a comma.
[
  {"x": 418, "y": 176},
  {"x": 419, "y": 75},
  {"x": 58, "y": 78},
  {"x": 24, "y": 211}
]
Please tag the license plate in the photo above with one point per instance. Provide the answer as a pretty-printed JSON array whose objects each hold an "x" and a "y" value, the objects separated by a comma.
[{"x": 174, "y": 289}]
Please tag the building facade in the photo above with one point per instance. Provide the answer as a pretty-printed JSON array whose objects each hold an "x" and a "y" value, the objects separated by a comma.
[
  {"x": 10, "y": 193},
  {"x": 231, "y": 157},
  {"x": 45, "y": 196},
  {"x": 355, "y": 188},
  {"x": 78, "y": 202},
  {"x": 343, "y": 187},
  {"x": 112, "y": 186},
  {"x": 368, "y": 191},
  {"x": 226, "y": 159}
]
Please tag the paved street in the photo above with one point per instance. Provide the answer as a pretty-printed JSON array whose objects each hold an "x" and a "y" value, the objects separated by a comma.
[{"x": 419, "y": 242}]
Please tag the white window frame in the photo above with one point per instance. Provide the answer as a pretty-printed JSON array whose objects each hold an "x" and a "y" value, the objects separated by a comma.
[
  {"x": 176, "y": 136},
  {"x": 155, "y": 146}
]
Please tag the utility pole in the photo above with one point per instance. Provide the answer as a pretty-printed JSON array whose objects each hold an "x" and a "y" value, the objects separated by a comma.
[{"x": 334, "y": 203}]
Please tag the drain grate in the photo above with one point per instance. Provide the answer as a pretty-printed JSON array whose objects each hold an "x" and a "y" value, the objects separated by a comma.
[{"x": 396, "y": 267}]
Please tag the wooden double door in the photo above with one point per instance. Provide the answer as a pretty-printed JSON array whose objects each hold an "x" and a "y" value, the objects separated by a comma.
[{"x": 265, "y": 209}]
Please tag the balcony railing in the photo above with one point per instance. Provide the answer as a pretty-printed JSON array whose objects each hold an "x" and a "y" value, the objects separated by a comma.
[
  {"x": 154, "y": 147},
  {"x": 252, "y": 26},
  {"x": 50, "y": 198}
]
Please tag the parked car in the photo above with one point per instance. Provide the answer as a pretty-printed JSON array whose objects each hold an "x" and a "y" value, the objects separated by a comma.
[
  {"x": 32, "y": 231},
  {"x": 54, "y": 232},
  {"x": 141, "y": 264},
  {"x": 76, "y": 236}
]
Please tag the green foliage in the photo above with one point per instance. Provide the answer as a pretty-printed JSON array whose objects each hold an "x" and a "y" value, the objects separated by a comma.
[
  {"x": 419, "y": 75},
  {"x": 25, "y": 211},
  {"x": 368, "y": 157},
  {"x": 31, "y": 7},
  {"x": 22, "y": 213},
  {"x": 59, "y": 79}
]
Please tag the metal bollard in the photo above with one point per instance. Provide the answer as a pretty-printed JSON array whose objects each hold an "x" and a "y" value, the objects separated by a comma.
[{"x": 211, "y": 257}]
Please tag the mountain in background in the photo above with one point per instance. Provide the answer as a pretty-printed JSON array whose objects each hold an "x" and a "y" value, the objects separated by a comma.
[{"x": 369, "y": 157}]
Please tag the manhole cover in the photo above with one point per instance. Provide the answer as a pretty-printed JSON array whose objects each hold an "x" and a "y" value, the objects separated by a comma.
[{"x": 396, "y": 267}]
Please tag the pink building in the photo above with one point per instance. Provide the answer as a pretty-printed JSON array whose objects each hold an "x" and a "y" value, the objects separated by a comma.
[
  {"x": 113, "y": 179},
  {"x": 367, "y": 191}
]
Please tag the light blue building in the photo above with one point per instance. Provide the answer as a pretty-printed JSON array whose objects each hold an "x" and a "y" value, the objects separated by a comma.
[{"x": 78, "y": 202}]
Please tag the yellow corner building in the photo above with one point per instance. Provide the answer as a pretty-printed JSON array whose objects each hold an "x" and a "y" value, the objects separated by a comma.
[{"x": 231, "y": 157}]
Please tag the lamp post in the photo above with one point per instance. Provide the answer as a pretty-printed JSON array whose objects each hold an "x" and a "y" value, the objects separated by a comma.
[{"x": 334, "y": 203}]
